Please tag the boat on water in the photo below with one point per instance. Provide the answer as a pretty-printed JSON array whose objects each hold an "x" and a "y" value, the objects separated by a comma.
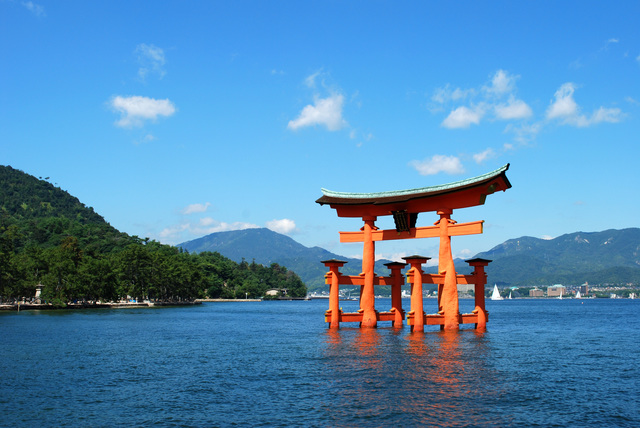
[
  {"x": 316, "y": 296},
  {"x": 578, "y": 295},
  {"x": 509, "y": 295},
  {"x": 560, "y": 296},
  {"x": 496, "y": 293}
]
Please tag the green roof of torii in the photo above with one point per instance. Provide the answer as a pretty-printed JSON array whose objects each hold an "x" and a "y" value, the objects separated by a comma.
[{"x": 331, "y": 197}]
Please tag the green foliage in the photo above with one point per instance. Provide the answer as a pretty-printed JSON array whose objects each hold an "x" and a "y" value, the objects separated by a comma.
[{"x": 48, "y": 237}]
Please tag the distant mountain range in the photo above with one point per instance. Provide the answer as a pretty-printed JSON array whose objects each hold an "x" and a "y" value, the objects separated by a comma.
[
  {"x": 265, "y": 246},
  {"x": 612, "y": 256}
]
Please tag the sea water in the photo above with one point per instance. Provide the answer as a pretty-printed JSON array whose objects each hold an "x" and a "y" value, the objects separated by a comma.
[{"x": 540, "y": 363}]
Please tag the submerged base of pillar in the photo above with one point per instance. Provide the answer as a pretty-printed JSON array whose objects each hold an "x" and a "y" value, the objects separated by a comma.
[
  {"x": 357, "y": 316},
  {"x": 436, "y": 319}
]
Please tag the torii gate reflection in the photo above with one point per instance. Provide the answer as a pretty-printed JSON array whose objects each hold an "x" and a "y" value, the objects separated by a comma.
[{"x": 404, "y": 206}]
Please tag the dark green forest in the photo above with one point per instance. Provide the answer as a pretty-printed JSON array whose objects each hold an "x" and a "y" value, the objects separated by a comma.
[{"x": 49, "y": 237}]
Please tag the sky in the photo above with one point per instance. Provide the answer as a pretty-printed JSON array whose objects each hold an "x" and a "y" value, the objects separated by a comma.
[{"x": 178, "y": 119}]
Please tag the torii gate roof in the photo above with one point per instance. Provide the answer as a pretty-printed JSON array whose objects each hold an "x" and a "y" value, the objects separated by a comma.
[{"x": 459, "y": 194}]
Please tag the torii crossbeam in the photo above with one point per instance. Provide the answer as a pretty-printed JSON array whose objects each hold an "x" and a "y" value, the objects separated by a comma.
[{"x": 404, "y": 206}]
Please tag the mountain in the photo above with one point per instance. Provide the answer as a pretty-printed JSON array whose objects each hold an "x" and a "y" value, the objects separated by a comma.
[
  {"x": 265, "y": 246},
  {"x": 610, "y": 256}
]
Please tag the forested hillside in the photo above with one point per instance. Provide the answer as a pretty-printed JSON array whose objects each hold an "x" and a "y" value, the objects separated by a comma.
[{"x": 49, "y": 237}]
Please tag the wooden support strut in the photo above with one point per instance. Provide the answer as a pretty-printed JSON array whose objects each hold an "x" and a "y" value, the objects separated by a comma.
[{"x": 460, "y": 229}]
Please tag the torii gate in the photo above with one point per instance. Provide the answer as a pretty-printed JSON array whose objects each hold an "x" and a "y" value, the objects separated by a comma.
[{"x": 404, "y": 206}]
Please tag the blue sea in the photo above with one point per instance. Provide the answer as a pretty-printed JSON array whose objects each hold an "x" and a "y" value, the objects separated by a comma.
[{"x": 565, "y": 363}]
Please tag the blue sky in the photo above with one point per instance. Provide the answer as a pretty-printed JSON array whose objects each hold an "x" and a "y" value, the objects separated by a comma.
[{"x": 174, "y": 120}]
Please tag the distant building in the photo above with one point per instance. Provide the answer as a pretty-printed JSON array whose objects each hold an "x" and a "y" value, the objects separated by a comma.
[
  {"x": 556, "y": 290},
  {"x": 584, "y": 289},
  {"x": 536, "y": 292},
  {"x": 466, "y": 288}
]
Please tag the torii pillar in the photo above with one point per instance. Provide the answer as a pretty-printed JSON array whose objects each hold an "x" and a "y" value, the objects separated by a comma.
[
  {"x": 333, "y": 277},
  {"x": 447, "y": 292},
  {"x": 367, "y": 296},
  {"x": 396, "y": 291},
  {"x": 480, "y": 281},
  {"x": 417, "y": 304}
]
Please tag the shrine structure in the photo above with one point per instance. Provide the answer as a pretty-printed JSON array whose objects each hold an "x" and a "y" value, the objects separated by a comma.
[{"x": 404, "y": 206}]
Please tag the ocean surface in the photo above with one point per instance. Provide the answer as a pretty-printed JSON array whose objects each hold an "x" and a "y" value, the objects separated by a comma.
[{"x": 565, "y": 363}]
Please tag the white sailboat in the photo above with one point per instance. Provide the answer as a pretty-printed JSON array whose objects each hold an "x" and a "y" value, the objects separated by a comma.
[
  {"x": 560, "y": 296},
  {"x": 578, "y": 295},
  {"x": 496, "y": 294},
  {"x": 509, "y": 295}
]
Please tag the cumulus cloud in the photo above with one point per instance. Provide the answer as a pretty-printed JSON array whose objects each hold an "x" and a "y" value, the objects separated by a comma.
[
  {"x": 446, "y": 94},
  {"x": 484, "y": 155},
  {"x": 564, "y": 105},
  {"x": 205, "y": 226},
  {"x": 34, "y": 8},
  {"x": 437, "y": 164},
  {"x": 284, "y": 226},
  {"x": 195, "y": 208},
  {"x": 495, "y": 100},
  {"x": 136, "y": 109},
  {"x": 501, "y": 83},
  {"x": 151, "y": 60},
  {"x": 565, "y": 109},
  {"x": 462, "y": 117},
  {"x": 324, "y": 111},
  {"x": 514, "y": 109}
]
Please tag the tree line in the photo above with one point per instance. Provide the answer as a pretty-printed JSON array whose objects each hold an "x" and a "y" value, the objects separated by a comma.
[
  {"x": 49, "y": 237},
  {"x": 142, "y": 270}
]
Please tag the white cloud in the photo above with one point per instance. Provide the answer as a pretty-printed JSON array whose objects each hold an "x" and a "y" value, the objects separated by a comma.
[
  {"x": 36, "y": 9},
  {"x": 483, "y": 156},
  {"x": 514, "y": 109},
  {"x": 546, "y": 237},
  {"x": 501, "y": 83},
  {"x": 437, "y": 164},
  {"x": 565, "y": 109},
  {"x": 310, "y": 81},
  {"x": 325, "y": 111},
  {"x": 196, "y": 208},
  {"x": 523, "y": 133},
  {"x": 564, "y": 105},
  {"x": 284, "y": 226},
  {"x": 462, "y": 117},
  {"x": 445, "y": 95},
  {"x": 136, "y": 109},
  {"x": 205, "y": 226},
  {"x": 151, "y": 60},
  {"x": 611, "y": 115}
]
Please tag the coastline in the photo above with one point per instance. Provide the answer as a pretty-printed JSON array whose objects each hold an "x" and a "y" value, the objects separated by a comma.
[{"x": 45, "y": 306}]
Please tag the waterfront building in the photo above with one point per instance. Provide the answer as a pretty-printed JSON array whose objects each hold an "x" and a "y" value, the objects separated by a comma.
[
  {"x": 556, "y": 290},
  {"x": 584, "y": 289},
  {"x": 536, "y": 292}
]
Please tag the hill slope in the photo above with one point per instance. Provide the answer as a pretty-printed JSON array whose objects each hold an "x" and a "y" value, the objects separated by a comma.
[{"x": 46, "y": 214}]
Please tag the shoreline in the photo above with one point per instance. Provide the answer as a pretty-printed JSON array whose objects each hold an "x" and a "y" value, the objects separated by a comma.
[{"x": 47, "y": 307}]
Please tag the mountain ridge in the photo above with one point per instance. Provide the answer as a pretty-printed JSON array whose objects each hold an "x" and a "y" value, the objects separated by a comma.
[{"x": 596, "y": 257}]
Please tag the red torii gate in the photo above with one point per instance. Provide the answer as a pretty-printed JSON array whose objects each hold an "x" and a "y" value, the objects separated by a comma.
[{"x": 404, "y": 206}]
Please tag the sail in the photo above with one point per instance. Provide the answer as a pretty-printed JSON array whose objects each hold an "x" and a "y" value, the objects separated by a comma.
[
  {"x": 496, "y": 294},
  {"x": 578, "y": 295}
]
